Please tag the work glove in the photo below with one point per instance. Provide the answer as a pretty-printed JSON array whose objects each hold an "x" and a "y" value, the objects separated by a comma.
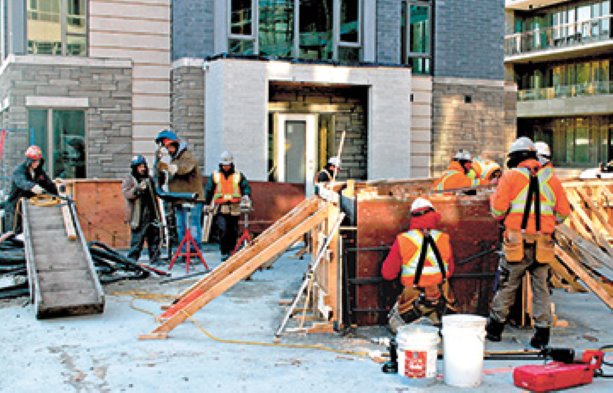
[
  {"x": 142, "y": 185},
  {"x": 206, "y": 209},
  {"x": 172, "y": 169},
  {"x": 165, "y": 156},
  {"x": 37, "y": 189},
  {"x": 245, "y": 202}
]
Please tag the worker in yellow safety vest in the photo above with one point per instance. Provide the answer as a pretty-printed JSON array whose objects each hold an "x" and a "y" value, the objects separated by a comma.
[
  {"x": 485, "y": 171},
  {"x": 228, "y": 189},
  {"x": 422, "y": 257},
  {"x": 458, "y": 174},
  {"x": 530, "y": 200}
]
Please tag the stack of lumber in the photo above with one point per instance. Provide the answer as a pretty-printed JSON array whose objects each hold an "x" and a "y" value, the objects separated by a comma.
[{"x": 584, "y": 242}]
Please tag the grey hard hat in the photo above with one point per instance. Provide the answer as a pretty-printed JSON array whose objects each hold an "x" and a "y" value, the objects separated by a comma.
[{"x": 226, "y": 158}]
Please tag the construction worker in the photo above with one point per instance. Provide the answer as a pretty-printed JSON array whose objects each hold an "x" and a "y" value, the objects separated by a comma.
[
  {"x": 229, "y": 190},
  {"x": 28, "y": 179},
  {"x": 531, "y": 201},
  {"x": 422, "y": 257},
  {"x": 328, "y": 172},
  {"x": 458, "y": 174},
  {"x": 184, "y": 176},
  {"x": 543, "y": 153},
  {"x": 485, "y": 171},
  {"x": 142, "y": 210}
]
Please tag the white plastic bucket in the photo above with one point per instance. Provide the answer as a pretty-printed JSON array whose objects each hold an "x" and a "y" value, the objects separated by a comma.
[
  {"x": 417, "y": 352},
  {"x": 463, "y": 347}
]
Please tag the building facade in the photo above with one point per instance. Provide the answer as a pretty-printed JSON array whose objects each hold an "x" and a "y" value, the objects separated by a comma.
[
  {"x": 88, "y": 81},
  {"x": 279, "y": 82},
  {"x": 560, "y": 54}
]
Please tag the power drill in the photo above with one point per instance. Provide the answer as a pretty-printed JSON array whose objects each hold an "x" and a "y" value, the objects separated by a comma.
[{"x": 568, "y": 368}]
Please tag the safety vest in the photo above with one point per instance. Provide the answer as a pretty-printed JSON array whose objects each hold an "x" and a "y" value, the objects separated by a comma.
[
  {"x": 546, "y": 199},
  {"x": 411, "y": 244},
  {"x": 484, "y": 168},
  {"x": 227, "y": 189}
]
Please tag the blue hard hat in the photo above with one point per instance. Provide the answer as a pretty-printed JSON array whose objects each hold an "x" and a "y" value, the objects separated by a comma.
[
  {"x": 137, "y": 160},
  {"x": 166, "y": 134}
]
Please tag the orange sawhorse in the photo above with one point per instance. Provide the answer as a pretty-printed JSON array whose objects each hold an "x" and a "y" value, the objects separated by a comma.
[{"x": 189, "y": 242}]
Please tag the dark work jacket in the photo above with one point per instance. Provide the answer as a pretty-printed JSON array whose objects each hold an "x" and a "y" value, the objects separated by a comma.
[{"x": 22, "y": 182}]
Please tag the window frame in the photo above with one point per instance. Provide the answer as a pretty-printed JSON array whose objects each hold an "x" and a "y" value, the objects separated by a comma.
[
  {"x": 405, "y": 51},
  {"x": 63, "y": 29},
  {"x": 337, "y": 43}
]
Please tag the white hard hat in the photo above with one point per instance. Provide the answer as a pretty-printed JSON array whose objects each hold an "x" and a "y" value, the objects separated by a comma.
[
  {"x": 226, "y": 158},
  {"x": 463, "y": 155},
  {"x": 335, "y": 161},
  {"x": 421, "y": 203},
  {"x": 542, "y": 149},
  {"x": 522, "y": 144}
]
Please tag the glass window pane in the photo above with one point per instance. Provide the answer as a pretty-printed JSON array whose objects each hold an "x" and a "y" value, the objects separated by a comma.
[
  {"x": 276, "y": 29},
  {"x": 420, "y": 65},
  {"x": 44, "y": 27},
  {"x": 419, "y": 29},
  {"x": 295, "y": 151},
  {"x": 75, "y": 17},
  {"x": 69, "y": 144},
  {"x": 76, "y": 46},
  {"x": 403, "y": 32},
  {"x": 316, "y": 29},
  {"x": 241, "y": 16},
  {"x": 351, "y": 55},
  {"x": 350, "y": 21},
  {"x": 240, "y": 47},
  {"x": 37, "y": 121}
]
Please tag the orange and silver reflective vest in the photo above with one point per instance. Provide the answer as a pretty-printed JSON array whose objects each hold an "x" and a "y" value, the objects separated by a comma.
[
  {"x": 227, "y": 189},
  {"x": 410, "y": 244},
  {"x": 511, "y": 195},
  {"x": 454, "y": 177},
  {"x": 484, "y": 168}
]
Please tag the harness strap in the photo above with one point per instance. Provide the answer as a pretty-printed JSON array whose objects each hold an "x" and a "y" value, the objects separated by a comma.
[
  {"x": 428, "y": 241},
  {"x": 533, "y": 193}
]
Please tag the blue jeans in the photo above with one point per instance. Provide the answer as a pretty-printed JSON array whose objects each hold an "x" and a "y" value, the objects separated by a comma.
[{"x": 195, "y": 224}]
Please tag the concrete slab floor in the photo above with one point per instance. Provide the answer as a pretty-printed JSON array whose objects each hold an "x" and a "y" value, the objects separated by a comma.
[{"x": 102, "y": 353}]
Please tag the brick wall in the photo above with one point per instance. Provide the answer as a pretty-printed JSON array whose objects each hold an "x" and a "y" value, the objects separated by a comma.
[
  {"x": 481, "y": 126},
  {"x": 469, "y": 39},
  {"x": 348, "y": 107},
  {"x": 388, "y": 31},
  {"x": 187, "y": 106},
  {"x": 192, "y": 28},
  {"x": 108, "y": 119}
]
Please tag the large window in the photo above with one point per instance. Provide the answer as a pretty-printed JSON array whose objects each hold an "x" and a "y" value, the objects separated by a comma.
[
  {"x": 306, "y": 29},
  {"x": 416, "y": 33},
  {"x": 61, "y": 136},
  {"x": 57, "y": 27}
]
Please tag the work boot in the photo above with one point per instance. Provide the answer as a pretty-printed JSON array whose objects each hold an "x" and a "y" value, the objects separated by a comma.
[
  {"x": 541, "y": 338},
  {"x": 494, "y": 330}
]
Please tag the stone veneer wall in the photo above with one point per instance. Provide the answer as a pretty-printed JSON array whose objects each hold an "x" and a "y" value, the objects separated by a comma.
[
  {"x": 480, "y": 126},
  {"x": 347, "y": 104},
  {"x": 108, "y": 118},
  {"x": 187, "y": 104}
]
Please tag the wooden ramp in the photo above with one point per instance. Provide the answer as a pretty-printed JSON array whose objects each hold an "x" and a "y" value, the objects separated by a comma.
[
  {"x": 62, "y": 276},
  {"x": 273, "y": 241}
]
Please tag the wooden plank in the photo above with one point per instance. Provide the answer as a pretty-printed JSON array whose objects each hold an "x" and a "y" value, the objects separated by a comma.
[
  {"x": 587, "y": 279},
  {"x": 570, "y": 279},
  {"x": 71, "y": 232},
  {"x": 588, "y": 222},
  {"x": 586, "y": 247},
  {"x": 182, "y": 311},
  {"x": 595, "y": 211}
]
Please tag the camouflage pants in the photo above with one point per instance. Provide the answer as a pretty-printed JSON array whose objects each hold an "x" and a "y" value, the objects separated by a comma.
[{"x": 511, "y": 274}]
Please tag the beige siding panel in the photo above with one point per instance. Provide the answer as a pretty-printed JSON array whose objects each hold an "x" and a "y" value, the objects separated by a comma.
[
  {"x": 129, "y": 10},
  {"x": 150, "y": 116},
  {"x": 149, "y": 87},
  {"x": 420, "y": 147},
  {"x": 132, "y": 26},
  {"x": 419, "y": 109},
  {"x": 157, "y": 72},
  {"x": 129, "y": 41},
  {"x": 152, "y": 3},
  {"x": 135, "y": 55},
  {"x": 145, "y": 147},
  {"x": 421, "y": 135},
  {"x": 145, "y": 131},
  {"x": 151, "y": 102},
  {"x": 421, "y": 83},
  {"x": 422, "y": 96},
  {"x": 421, "y": 122}
]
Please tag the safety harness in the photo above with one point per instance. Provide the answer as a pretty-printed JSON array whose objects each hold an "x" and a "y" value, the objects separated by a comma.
[
  {"x": 428, "y": 241},
  {"x": 533, "y": 193}
]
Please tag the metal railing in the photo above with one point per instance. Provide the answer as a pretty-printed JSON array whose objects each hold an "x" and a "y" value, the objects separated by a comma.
[
  {"x": 559, "y": 36},
  {"x": 564, "y": 91}
]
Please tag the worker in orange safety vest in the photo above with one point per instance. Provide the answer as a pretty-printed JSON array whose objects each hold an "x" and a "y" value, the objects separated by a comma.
[
  {"x": 458, "y": 174},
  {"x": 230, "y": 192},
  {"x": 423, "y": 258},
  {"x": 530, "y": 200},
  {"x": 543, "y": 153},
  {"x": 485, "y": 171}
]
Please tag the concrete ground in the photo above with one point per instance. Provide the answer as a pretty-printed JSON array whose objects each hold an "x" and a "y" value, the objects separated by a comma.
[{"x": 102, "y": 353}]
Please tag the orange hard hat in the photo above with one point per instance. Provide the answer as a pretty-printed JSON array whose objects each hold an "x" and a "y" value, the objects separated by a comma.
[{"x": 34, "y": 153}]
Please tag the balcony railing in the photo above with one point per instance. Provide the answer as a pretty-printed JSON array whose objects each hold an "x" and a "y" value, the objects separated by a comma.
[
  {"x": 579, "y": 90},
  {"x": 559, "y": 36}
]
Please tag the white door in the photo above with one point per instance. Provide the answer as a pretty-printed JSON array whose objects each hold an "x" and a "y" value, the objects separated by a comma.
[{"x": 297, "y": 149}]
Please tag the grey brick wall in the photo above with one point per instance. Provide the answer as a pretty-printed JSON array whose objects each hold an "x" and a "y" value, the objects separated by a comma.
[
  {"x": 469, "y": 39},
  {"x": 108, "y": 120},
  {"x": 187, "y": 107},
  {"x": 388, "y": 31},
  {"x": 192, "y": 28}
]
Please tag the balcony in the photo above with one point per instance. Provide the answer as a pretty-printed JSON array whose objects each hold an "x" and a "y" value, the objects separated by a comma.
[
  {"x": 556, "y": 40},
  {"x": 579, "y": 90}
]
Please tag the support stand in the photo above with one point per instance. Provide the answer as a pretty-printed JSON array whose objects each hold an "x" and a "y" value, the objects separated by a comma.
[
  {"x": 187, "y": 241},
  {"x": 246, "y": 236}
]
